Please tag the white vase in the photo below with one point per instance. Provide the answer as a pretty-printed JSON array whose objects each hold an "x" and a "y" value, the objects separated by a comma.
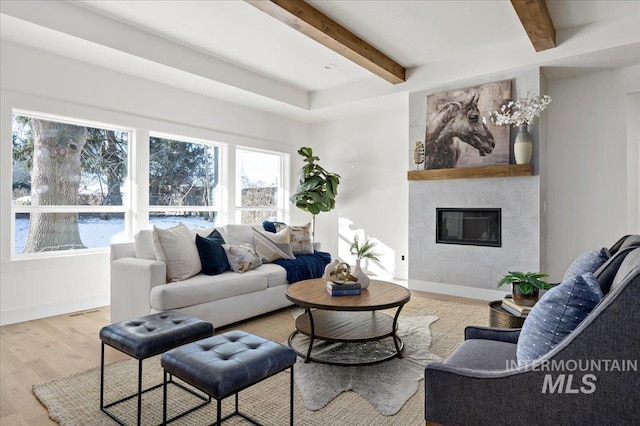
[
  {"x": 523, "y": 146},
  {"x": 363, "y": 279}
]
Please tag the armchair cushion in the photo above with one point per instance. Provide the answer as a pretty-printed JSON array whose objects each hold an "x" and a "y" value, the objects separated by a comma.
[
  {"x": 556, "y": 315},
  {"x": 482, "y": 354},
  {"x": 510, "y": 335}
]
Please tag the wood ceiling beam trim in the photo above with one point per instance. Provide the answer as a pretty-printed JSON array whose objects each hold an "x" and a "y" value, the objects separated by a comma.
[
  {"x": 536, "y": 20},
  {"x": 311, "y": 22}
]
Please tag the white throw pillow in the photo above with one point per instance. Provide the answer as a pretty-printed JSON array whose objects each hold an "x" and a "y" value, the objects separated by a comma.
[
  {"x": 237, "y": 234},
  {"x": 177, "y": 248},
  {"x": 270, "y": 246}
]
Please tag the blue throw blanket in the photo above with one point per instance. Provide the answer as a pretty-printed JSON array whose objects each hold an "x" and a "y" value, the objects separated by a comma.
[{"x": 305, "y": 266}]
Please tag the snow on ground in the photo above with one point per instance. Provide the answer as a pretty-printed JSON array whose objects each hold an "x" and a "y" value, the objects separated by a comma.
[{"x": 96, "y": 232}]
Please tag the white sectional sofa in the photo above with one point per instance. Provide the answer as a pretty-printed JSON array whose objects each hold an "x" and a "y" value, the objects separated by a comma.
[{"x": 139, "y": 287}]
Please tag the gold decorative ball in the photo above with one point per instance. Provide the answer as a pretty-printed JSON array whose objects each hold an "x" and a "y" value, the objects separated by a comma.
[{"x": 340, "y": 273}]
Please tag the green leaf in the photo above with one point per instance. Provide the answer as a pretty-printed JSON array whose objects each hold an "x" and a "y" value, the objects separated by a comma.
[
  {"x": 311, "y": 183},
  {"x": 305, "y": 151},
  {"x": 526, "y": 280}
]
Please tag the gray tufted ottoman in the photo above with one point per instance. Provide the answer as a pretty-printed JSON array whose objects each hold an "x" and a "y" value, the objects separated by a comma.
[
  {"x": 148, "y": 336},
  {"x": 226, "y": 364}
]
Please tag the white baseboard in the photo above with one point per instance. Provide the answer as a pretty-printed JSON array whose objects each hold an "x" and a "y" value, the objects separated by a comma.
[
  {"x": 401, "y": 274},
  {"x": 457, "y": 290},
  {"x": 28, "y": 313}
]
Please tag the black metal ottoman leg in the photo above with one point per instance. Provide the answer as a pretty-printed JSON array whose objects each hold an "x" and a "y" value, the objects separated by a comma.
[
  {"x": 164, "y": 399},
  {"x": 219, "y": 415},
  {"x": 102, "y": 377},
  {"x": 139, "y": 391},
  {"x": 291, "y": 399}
]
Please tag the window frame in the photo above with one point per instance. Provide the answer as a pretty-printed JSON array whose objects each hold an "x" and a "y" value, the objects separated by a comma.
[
  {"x": 218, "y": 203},
  {"x": 283, "y": 188},
  {"x": 125, "y": 208}
]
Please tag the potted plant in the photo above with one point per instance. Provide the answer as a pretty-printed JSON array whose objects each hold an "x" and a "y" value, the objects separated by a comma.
[
  {"x": 364, "y": 251},
  {"x": 317, "y": 189},
  {"x": 525, "y": 286}
]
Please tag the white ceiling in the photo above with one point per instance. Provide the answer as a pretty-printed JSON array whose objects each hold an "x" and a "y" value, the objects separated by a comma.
[{"x": 233, "y": 51}]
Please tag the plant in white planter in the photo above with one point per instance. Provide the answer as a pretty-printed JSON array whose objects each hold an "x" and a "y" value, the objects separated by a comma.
[{"x": 362, "y": 251}]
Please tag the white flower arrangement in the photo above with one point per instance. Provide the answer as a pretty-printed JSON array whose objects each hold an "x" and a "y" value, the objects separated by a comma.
[{"x": 522, "y": 111}]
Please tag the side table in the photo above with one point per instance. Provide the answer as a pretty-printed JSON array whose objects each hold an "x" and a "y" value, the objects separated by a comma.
[{"x": 500, "y": 318}]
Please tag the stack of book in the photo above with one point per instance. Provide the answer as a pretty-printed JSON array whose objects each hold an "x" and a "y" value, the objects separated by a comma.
[
  {"x": 513, "y": 308},
  {"x": 346, "y": 289}
]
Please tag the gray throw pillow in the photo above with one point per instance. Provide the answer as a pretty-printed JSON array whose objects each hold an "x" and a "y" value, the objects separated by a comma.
[{"x": 558, "y": 312}]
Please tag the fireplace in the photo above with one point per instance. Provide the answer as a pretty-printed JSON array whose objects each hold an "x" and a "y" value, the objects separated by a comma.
[{"x": 476, "y": 227}]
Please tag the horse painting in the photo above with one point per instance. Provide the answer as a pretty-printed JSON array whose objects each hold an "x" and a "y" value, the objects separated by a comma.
[
  {"x": 454, "y": 122},
  {"x": 456, "y": 134}
]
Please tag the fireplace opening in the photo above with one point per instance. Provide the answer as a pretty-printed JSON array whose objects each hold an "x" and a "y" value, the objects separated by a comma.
[{"x": 475, "y": 227}]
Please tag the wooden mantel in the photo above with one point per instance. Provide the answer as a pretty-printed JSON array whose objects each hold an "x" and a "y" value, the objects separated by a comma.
[{"x": 505, "y": 170}]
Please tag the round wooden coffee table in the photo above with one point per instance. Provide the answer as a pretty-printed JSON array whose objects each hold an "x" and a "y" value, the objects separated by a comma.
[{"x": 347, "y": 318}]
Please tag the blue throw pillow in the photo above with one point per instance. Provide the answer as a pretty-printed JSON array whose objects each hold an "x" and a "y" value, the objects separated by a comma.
[
  {"x": 271, "y": 226},
  {"x": 587, "y": 262},
  {"x": 212, "y": 256},
  {"x": 557, "y": 313}
]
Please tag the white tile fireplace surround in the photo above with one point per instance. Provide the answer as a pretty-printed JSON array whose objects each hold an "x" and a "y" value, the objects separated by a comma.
[{"x": 467, "y": 270}]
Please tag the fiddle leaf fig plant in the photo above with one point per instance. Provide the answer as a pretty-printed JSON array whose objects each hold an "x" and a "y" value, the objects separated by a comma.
[
  {"x": 318, "y": 187},
  {"x": 526, "y": 281}
]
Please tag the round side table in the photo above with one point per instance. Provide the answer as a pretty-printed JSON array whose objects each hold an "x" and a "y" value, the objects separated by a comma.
[{"x": 500, "y": 318}]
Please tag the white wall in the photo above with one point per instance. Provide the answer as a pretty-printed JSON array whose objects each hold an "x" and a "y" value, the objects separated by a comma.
[
  {"x": 39, "y": 81},
  {"x": 633, "y": 163},
  {"x": 587, "y": 164},
  {"x": 369, "y": 152}
]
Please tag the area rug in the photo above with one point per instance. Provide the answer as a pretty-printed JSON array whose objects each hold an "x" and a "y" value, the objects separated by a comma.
[
  {"x": 75, "y": 399},
  {"x": 386, "y": 386}
]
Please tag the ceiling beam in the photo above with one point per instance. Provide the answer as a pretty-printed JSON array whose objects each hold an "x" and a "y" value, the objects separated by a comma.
[
  {"x": 536, "y": 20},
  {"x": 311, "y": 22}
]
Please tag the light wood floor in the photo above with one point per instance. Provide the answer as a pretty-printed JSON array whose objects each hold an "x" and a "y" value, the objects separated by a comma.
[{"x": 42, "y": 350}]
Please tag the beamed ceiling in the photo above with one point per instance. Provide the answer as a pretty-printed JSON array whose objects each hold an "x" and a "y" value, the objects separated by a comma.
[{"x": 320, "y": 59}]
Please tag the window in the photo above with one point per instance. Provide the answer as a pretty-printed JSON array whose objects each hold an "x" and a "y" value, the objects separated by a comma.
[
  {"x": 183, "y": 182},
  {"x": 69, "y": 183},
  {"x": 260, "y": 186}
]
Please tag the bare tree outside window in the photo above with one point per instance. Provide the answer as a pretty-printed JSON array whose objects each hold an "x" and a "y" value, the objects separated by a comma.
[{"x": 62, "y": 174}]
